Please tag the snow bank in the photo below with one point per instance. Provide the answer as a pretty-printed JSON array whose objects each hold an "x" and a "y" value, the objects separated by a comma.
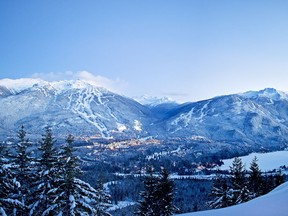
[
  {"x": 266, "y": 161},
  {"x": 273, "y": 203},
  {"x": 120, "y": 205}
]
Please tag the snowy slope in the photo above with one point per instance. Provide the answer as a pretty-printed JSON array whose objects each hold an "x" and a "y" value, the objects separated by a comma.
[
  {"x": 254, "y": 120},
  {"x": 271, "y": 204},
  {"x": 249, "y": 119},
  {"x": 69, "y": 107},
  {"x": 266, "y": 161}
]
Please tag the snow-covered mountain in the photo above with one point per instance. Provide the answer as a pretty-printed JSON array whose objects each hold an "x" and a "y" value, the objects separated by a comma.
[
  {"x": 70, "y": 107},
  {"x": 273, "y": 203},
  {"x": 255, "y": 120},
  {"x": 252, "y": 117},
  {"x": 153, "y": 101}
]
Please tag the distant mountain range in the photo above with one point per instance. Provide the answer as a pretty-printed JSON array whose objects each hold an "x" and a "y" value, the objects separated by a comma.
[{"x": 258, "y": 118}]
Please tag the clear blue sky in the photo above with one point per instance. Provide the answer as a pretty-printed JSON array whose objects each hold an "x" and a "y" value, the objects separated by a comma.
[{"x": 185, "y": 49}]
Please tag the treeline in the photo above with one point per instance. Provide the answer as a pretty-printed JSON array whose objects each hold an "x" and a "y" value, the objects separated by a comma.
[
  {"x": 46, "y": 185},
  {"x": 242, "y": 185}
]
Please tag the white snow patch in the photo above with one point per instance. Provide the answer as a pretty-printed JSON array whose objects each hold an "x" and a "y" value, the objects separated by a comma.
[
  {"x": 121, "y": 127},
  {"x": 266, "y": 161},
  {"x": 120, "y": 205},
  {"x": 72, "y": 201},
  {"x": 137, "y": 125},
  {"x": 203, "y": 112}
]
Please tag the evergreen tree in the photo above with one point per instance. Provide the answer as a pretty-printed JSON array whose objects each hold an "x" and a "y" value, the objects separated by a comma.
[
  {"x": 148, "y": 204},
  {"x": 237, "y": 173},
  {"x": 8, "y": 186},
  {"x": 164, "y": 195},
  {"x": 244, "y": 195},
  {"x": 47, "y": 176},
  {"x": 23, "y": 171},
  {"x": 221, "y": 193},
  {"x": 255, "y": 178},
  {"x": 239, "y": 187},
  {"x": 157, "y": 197},
  {"x": 73, "y": 196}
]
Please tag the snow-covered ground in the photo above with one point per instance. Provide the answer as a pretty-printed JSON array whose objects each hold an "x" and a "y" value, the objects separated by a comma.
[
  {"x": 266, "y": 161},
  {"x": 271, "y": 204},
  {"x": 120, "y": 205}
]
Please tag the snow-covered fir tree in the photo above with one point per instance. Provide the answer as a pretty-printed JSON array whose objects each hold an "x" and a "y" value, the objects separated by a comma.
[
  {"x": 241, "y": 192},
  {"x": 9, "y": 186},
  {"x": 221, "y": 193},
  {"x": 72, "y": 195},
  {"x": 22, "y": 168},
  {"x": 47, "y": 177}
]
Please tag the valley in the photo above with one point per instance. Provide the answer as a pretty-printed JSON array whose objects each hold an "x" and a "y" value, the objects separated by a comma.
[{"x": 116, "y": 137}]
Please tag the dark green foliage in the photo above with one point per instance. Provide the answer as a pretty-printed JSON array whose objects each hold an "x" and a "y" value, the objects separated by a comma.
[
  {"x": 147, "y": 204},
  {"x": 157, "y": 197},
  {"x": 255, "y": 180},
  {"x": 237, "y": 173},
  {"x": 164, "y": 194}
]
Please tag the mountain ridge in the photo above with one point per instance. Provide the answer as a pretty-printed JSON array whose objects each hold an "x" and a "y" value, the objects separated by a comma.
[{"x": 256, "y": 119}]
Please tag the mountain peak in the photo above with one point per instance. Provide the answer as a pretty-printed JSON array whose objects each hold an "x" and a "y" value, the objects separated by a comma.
[
  {"x": 19, "y": 85},
  {"x": 152, "y": 101},
  {"x": 270, "y": 93}
]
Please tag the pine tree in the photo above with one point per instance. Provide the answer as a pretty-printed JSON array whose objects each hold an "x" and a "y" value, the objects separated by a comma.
[
  {"x": 221, "y": 193},
  {"x": 157, "y": 197},
  {"x": 8, "y": 186},
  {"x": 244, "y": 195},
  {"x": 148, "y": 204},
  {"x": 239, "y": 187},
  {"x": 237, "y": 173},
  {"x": 23, "y": 171},
  {"x": 255, "y": 178},
  {"x": 73, "y": 196},
  {"x": 164, "y": 195},
  {"x": 47, "y": 176}
]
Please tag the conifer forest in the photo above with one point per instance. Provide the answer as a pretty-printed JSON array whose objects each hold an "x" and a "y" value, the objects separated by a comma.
[{"x": 51, "y": 178}]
